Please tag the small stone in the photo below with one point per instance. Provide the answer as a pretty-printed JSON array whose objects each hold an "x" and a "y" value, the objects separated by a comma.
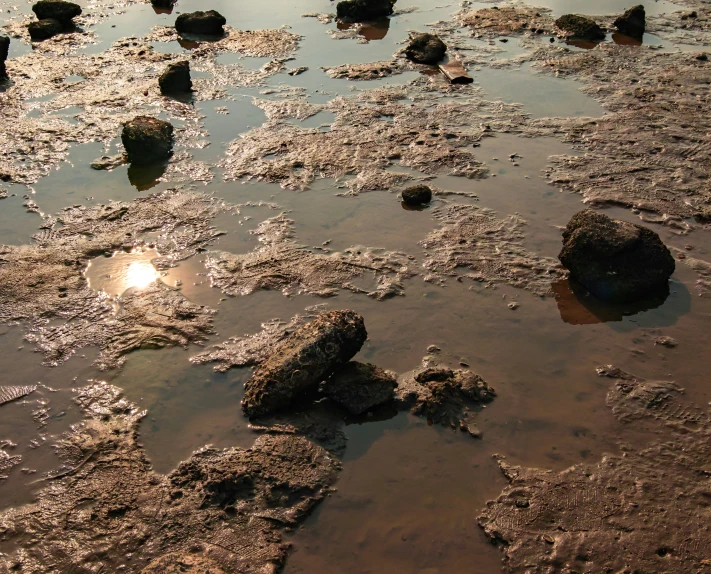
[
  {"x": 417, "y": 195},
  {"x": 58, "y": 10},
  {"x": 147, "y": 140},
  {"x": 208, "y": 23},
  {"x": 513, "y": 305},
  {"x": 4, "y": 51},
  {"x": 632, "y": 23},
  {"x": 176, "y": 79},
  {"x": 364, "y": 10},
  {"x": 667, "y": 342},
  {"x": 425, "y": 49},
  {"x": 44, "y": 29},
  {"x": 360, "y": 387},
  {"x": 579, "y": 27}
]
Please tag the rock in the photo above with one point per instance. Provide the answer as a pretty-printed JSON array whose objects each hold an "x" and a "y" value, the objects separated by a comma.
[
  {"x": 44, "y": 29},
  {"x": 4, "y": 51},
  {"x": 617, "y": 261},
  {"x": 176, "y": 79},
  {"x": 425, "y": 49},
  {"x": 632, "y": 22},
  {"x": 360, "y": 386},
  {"x": 165, "y": 4},
  {"x": 208, "y": 23},
  {"x": 302, "y": 360},
  {"x": 364, "y": 10},
  {"x": 580, "y": 28},
  {"x": 417, "y": 195},
  {"x": 58, "y": 10},
  {"x": 147, "y": 140},
  {"x": 455, "y": 72}
]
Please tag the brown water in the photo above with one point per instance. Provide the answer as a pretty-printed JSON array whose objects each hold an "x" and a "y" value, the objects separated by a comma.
[{"x": 409, "y": 494}]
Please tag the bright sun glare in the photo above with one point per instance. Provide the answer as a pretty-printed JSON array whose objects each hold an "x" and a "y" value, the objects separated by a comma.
[{"x": 140, "y": 274}]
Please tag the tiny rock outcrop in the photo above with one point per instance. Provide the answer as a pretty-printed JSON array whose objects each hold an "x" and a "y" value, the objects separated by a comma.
[
  {"x": 303, "y": 360},
  {"x": 208, "y": 23},
  {"x": 425, "y": 49},
  {"x": 147, "y": 140},
  {"x": 4, "y": 51},
  {"x": 59, "y": 10},
  {"x": 176, "y": 79},
  {"x": 633, "y": 22},
  {"x": 360, "y": 387},
  {"x": 616, "y": 260},
  {"x": 364, "y": 10},
  {"x": 580, "y": 28},
  {"x": 417, "y": 195}
]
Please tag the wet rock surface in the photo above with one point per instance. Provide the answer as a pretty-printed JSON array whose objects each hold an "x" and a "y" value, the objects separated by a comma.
[
  {"x": 615, "y": 260},
  {"x": 208, "y": 23},
  {"x": 59, "y": 10},
  {"x": 147, "y": 140},
  {"x": 580, "y": 28},
  {"x": 44, "y": 29},
  {"x": 220, "y": 510},
  {"x": 360, "y": 386},
  {"x": 425, "y": 49},
  {"x": 633, "y": 22},
  {"x": 417, "y": 195},
  {"x": 622, "y": 512},
  {"x": 364, "y": 10},
  {"x": 176, "y": 79},
  {"x": 303, "y": 360}
]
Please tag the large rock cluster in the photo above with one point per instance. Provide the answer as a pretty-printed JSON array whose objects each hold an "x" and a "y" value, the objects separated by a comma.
[{"x": 53, "y": 17}]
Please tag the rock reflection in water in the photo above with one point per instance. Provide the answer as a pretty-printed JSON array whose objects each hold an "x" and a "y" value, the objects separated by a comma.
[
  {"x": 577, "y": 306},
  {"x": 144, "y": 177},
  {"x": 369, "y": 30}
]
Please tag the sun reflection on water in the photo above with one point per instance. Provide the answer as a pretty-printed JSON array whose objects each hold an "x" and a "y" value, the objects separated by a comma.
[
  {"x": 140, "y": 274},
  {"x": 122, "y": 271}
]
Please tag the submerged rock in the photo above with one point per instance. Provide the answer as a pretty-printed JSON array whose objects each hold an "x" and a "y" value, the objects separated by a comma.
[
  {"x": 360, "y": 386},
  {"x": 147, "y": 140},
  {"x": 632, "y": 23},
  {"x": 176, "y": 79},
  {"x": 44, "y": 29},
  {"x": 417, "y": 195},
  {"x": 303, "y": 360},
  {"x": 209, "y": 23},
  {"x": 4, "y": 50},
  {"x": 425, "y": 49},
  {"x": 580, "y": 27},
  {"x": 58, "y": 10},
  {"x": 364, "y": 10},
  {"x": 617, "y": 261}
]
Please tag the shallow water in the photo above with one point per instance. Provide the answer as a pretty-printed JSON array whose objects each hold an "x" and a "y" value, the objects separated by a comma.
[{"x": 409, "y": 495}]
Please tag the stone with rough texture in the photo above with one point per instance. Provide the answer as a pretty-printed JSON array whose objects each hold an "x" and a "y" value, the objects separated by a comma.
[
  {"x": 44, "y": 29},
  {"x": 360, "y": 386},
  {"x": 580, "y": 28},
  {"x": 417, "y": 195},
  {"x": 147, "y": 140},
  {"x": 176, "y": 79},
  {"x": 633, "y": 22},
  {"x": 304, "y": 359},
  {"x": 425, "y": 49},
  {"x": 4, "y": 50},
  {"x": 363, "y": 10},
  {"x": 58, "y": 10},
  {"x": 615, "y": 260},
  {"x": 209, "y": 23}
]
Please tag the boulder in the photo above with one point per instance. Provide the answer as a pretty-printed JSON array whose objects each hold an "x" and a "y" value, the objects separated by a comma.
[
  {"x": 208, "y": 23},
  {"x": 303, "y": 360},
  {"x": 580, "y": 28},
  {"x": 147, "y": 140},
  {"x": 633, "y": 22},
  {"x": 615, "y": 260},
  {"x": 176, "y": 79},
  {"x": 425, "y": 49},
  {"x": 163, "y": 4},
  {"x": 417, "y": 195},
  {"x": 364, "y": 10},
  {"x": 43, "y": 29},
  {"x": 58, "y": 10},
  {"x": 4, "y": 51},
  {"x": 360, "y": 386}
]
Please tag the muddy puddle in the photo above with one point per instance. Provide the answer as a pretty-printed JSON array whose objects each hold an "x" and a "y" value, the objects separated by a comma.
[{"x": 290, "y": 156}]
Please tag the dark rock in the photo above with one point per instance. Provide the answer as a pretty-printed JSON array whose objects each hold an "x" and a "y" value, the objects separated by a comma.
[
  {"x": 303, "y": 360},
  {"x": 147, "y": 140},
  {"x": 176, "y": 79},
  {"x": 43, "y": 29},
  {"x": 4, "y": 51},
  {"x": 208, "y": 23},
  {"x": 580, "y": 27},
  {"x": 633, "y": 22},
  {"x": 364, "y": 10},
  {"x": 417, "y": 195},
  {"x": 163, "y": 3},
  {"x": 58, "y": 10},
  {"x": 425, "y": 49},
  {"x": 360, "y": 386},
  {"x": 617, "y": 261}
]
